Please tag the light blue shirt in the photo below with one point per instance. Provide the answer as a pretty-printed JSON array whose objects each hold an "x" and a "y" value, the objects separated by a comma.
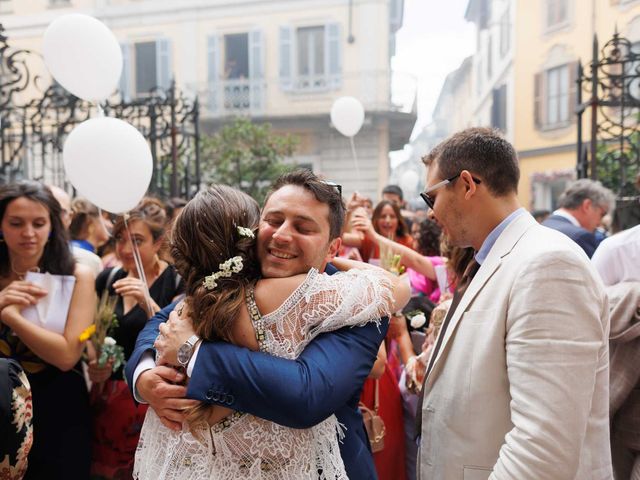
[{"x": 488, "y": 243}]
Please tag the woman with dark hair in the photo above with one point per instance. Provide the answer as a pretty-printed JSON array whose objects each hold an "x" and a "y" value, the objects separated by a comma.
[
  {"x": 118, "y": 418},
  {"x": 388, "y": 223},
  {"x": 34, "y": 240},
  {"x": 213, "y": 244}
]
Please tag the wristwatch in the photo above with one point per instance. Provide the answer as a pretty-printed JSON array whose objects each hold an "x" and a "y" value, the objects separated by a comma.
[{"x": 185, "y": 352}]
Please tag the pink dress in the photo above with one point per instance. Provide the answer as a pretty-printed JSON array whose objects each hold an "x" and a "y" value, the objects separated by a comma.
[{"x": 423, "y": 285}]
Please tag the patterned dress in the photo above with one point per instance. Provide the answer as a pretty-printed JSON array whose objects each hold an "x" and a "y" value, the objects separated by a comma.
[
  {"x": 244, "y": 446},
  {"x": 61, "y": 419}
]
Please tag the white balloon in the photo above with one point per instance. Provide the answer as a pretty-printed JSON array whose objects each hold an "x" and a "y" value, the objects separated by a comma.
[
  {"x": 83, "y": 56},
  {"x": 109, "y": 162},
  {"x": 347, "y": 115},
  {"x": 409, "y": 181}
]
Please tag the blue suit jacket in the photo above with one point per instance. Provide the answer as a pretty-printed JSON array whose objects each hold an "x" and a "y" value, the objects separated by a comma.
[
  {"x": 582, "y": 237},
  {"x": 326, "y": 378}
]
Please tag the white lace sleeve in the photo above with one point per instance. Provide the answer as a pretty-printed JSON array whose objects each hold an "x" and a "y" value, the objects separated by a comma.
[{"x": 324, "y": 303}]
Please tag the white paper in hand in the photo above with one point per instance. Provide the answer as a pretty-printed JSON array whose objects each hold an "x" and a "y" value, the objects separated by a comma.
[{"x": 51, "y": 310}]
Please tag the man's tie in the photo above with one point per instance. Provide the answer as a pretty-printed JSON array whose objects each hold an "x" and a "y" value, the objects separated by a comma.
[{"x": 468, "y": 275}]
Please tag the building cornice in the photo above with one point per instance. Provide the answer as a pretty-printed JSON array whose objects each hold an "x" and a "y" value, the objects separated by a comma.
[{"x": 167, "y": 11}]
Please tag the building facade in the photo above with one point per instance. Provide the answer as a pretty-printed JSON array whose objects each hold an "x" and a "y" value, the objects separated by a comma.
[
  {"x": 523, "y": 81},
  {"x": 553, "y": 36},
  {"x": 284, "y": 62},
  {"x": 492, "y": 64}
]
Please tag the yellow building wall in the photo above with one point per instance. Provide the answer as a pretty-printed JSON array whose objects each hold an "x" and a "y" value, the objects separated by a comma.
[
  {"x": 536, "y": 49},
  {"x": 545, "y": 164}
]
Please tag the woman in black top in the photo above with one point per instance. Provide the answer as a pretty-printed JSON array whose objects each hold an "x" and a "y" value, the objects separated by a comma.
[
  {"x": 118, "y": 419},
  {"x": 32, "y": 239}
]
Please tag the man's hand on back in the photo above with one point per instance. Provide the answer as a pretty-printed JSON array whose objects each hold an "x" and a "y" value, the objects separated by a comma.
[
  {"x": 173, "y": 334},
  {"x": 160, "y": 388}
]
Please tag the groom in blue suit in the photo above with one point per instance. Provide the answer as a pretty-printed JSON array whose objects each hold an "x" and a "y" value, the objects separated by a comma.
[{"x": 300, "y": 228}]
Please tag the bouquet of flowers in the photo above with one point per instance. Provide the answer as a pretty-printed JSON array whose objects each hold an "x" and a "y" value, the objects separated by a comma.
[
  {"x": 104, "y": 321},
  {"x": 390, "y": 261}
]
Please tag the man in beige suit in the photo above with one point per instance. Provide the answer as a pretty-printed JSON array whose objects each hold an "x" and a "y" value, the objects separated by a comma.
[{"x": 517, "y": 388}]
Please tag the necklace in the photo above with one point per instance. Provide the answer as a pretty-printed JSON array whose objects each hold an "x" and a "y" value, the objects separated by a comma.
[{"x": 21, "y": 275}]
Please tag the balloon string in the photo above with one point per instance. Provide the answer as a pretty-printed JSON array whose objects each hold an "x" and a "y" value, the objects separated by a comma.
[
  {"x": 138, "y": 262},
  {"x": 355, "y": 158}
]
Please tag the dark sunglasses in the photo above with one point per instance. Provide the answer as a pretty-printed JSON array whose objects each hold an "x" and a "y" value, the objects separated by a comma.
[{"x": 429, "y": 200}]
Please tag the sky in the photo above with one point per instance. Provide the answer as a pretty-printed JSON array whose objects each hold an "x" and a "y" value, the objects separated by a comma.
[{"x": 433, "y": 41}]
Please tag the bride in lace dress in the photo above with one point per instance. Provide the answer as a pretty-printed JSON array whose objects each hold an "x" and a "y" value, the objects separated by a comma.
[{"x": 213, "y": 245}]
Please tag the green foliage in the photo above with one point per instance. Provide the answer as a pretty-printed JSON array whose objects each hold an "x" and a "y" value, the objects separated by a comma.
[
  {"x": 614, "y": 165},
  {"x": 247, "y": 156}
]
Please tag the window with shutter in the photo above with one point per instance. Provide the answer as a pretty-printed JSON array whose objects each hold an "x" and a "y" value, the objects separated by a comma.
[
  {"x": 334, "y": 55},
  {"x": 163, "y": 63},
  {"x": 555, "y": 97},
  {"x": 256, "y": 69},
  {"x": 145, "y": 67},
  {"x": 286, "y": 58},
  {"x": 538, "y": 96},
  {"x": 236, "y": 89},
  {"x": 311, "y": 58},
  {"x": 213, "y": 75},
  {"x": 150, "y": 67},
  {"x": 505, "y": 33},
  {"x": 499, "y": 108},
  {"x": 125, "y": 78}
]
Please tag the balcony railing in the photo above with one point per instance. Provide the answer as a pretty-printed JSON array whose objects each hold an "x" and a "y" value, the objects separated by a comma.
[
  {"x": 299, "y": 95},
  {"x": 233, "y": 97}
]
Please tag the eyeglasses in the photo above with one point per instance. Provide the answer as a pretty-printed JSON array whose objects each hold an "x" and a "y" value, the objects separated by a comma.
[
  {"x": 429, "y": 200},
  {"x": 334, "y": 185}
]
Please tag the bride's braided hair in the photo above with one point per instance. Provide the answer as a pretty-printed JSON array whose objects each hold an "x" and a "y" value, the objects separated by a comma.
[{"x": 204, "y": 235}]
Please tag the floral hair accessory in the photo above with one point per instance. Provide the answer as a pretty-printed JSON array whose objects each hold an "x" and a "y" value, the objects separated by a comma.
[
  {"x": 226, "y": 269},
  {"x": 246, "y": 232}
]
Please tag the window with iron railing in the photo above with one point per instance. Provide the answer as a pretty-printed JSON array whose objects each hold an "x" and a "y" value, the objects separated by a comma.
[
  {"x": 310, "y": 58},
  {"x": 235, "y": 77}
]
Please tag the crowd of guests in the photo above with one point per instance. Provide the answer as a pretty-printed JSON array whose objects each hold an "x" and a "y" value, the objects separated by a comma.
[
  {"x": 85, "y": 420},
  {"x": 84, "y": 417}
]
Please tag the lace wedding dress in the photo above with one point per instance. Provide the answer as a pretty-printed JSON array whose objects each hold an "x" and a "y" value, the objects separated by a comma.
[{"x": 244, "y": 446}]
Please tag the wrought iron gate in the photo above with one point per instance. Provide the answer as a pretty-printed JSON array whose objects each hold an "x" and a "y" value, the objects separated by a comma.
[
  {"x": 32, "y": 131},
  {"x": 612, "y": 153}
]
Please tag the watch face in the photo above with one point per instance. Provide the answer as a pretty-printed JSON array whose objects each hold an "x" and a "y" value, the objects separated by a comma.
[{"x": 184, "y": 354}]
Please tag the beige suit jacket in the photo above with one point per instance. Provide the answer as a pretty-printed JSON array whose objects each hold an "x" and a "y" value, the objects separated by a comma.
[{"x": 519, "y": 389}]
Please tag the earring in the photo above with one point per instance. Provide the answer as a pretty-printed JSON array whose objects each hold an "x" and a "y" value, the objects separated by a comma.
[{"x": 1, "y": 237}]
